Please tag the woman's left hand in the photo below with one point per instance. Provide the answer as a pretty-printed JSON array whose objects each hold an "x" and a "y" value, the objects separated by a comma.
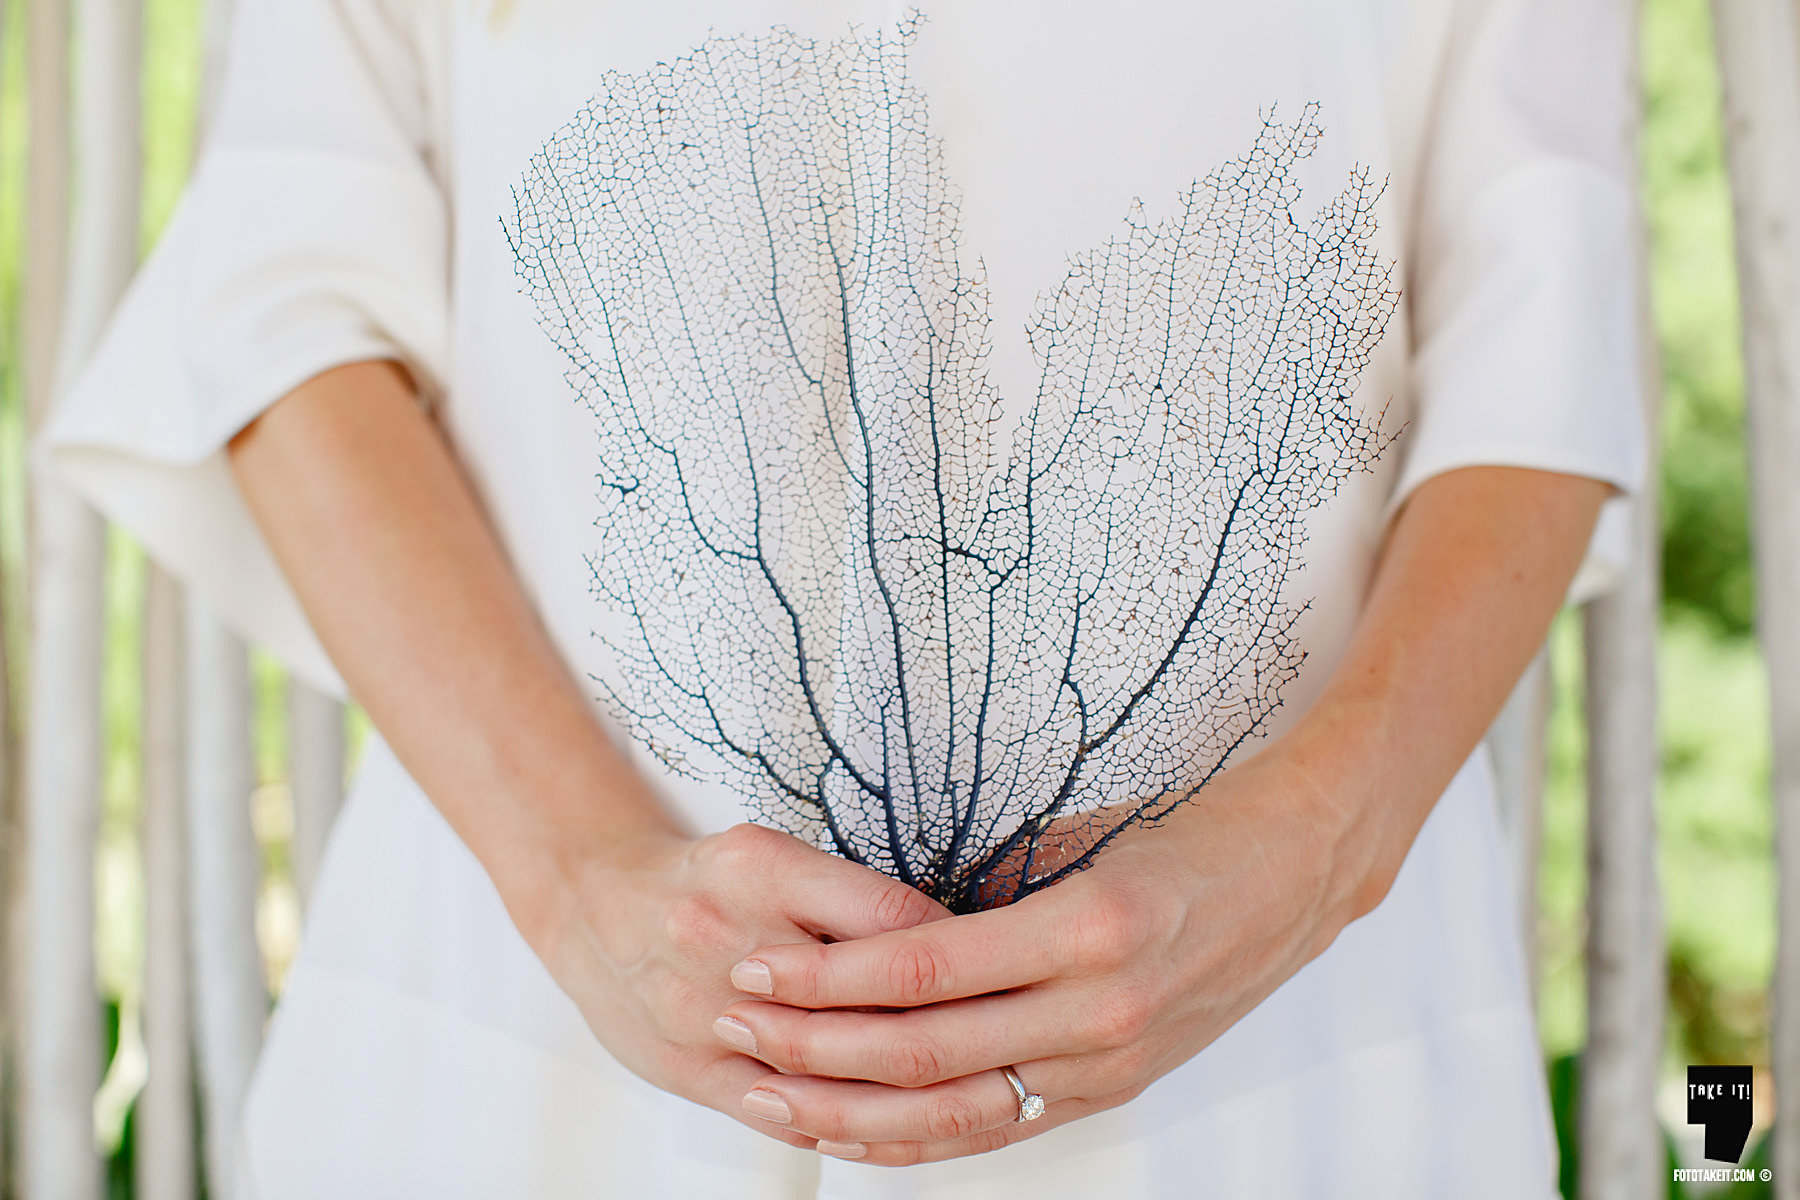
[
  {"x": 1100, "y": 984},
  {"x": 1092, "y": 988}
]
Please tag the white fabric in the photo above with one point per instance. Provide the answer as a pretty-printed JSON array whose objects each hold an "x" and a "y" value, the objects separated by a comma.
[{"x": 349, "y": 206}]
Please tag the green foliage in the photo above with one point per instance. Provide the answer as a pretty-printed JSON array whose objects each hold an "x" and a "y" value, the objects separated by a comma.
[
  {"x": 1706, "y": 541},
  {"x": 1717, "y": 844},
  {"x": 119, "y": 1181},
  {"x": 1760, "y": 1157},
  {"x": 1565, "y": 1107}
]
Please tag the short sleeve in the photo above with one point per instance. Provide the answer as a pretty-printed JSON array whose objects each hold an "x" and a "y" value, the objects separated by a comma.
[
  {"x": 312, "y": 234},
  {"x": 1525, "y": 279}
]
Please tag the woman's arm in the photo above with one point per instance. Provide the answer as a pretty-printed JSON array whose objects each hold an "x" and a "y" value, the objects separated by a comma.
[
  {"x": 1101, "y": 984},
  {"x": 383, "y": 542},
  {"x": 639, "y": 920}
]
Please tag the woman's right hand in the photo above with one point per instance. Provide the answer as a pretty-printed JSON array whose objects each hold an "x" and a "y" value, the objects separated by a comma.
[
  {"x": 644, "y": 943},
  {"x": 390, "y": 552}
]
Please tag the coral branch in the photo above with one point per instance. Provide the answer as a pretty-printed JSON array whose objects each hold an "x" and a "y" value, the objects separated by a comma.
[{"x": 824, "y": 590}]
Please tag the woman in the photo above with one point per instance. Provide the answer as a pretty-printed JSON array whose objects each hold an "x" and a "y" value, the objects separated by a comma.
[{"x": 539, "y": 961}]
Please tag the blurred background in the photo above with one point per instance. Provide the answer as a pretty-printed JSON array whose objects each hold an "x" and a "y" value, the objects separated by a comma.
[{"x": 1714, "y": 815}]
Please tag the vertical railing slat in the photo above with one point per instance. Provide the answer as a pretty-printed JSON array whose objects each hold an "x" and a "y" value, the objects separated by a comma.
[
  {"x": 53, "y": 1152},
  {"x": 223, "y": 871},
  {"x": 165, "y": 1110},
  {"x": 61, "y": 1063},
  {"x": 315, "y": 776},
  {"x": 10, "y": 826},
  {"x": 36, "y": 342},
  {"x": 1621, "y": 1141},
  {"x": 230, "y": 993},
  {"x": 1621, "y": 1147},
  {"x": 1758, "y": 44}
]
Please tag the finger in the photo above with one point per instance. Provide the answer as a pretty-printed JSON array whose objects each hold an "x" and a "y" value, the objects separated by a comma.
[
  {"x": 945, "y": 960},
  {"x": 722, "y": 1084},
  {"x": 910, "y": 1153},
  {"x": 852, "y": 1111},
  {"x": 908, "y": 1049},
  {"x": 821, "y": 893}
]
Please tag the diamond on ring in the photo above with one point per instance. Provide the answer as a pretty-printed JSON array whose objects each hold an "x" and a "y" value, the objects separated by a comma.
[{"x": 1031, "y": 1105}]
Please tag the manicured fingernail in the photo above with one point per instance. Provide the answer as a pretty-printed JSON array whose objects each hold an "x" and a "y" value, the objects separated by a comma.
[
  {"x": 843, "y": 1149},
  {"x": 734, "y": 1032},
  {"x": 768, "y": 1106},
  {"x": 752, "y": 975}
]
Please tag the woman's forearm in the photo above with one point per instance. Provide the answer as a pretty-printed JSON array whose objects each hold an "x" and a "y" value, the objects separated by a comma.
[
  {"x": 1474, "y": 567},
  {"x": 394, "y": 562}
]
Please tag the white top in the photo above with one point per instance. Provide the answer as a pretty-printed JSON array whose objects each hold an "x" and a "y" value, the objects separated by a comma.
[{"x": 354, "y": 201}]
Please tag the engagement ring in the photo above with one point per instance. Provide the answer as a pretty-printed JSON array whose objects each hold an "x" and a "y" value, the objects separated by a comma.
[{"x": 1031, "y": 1105}]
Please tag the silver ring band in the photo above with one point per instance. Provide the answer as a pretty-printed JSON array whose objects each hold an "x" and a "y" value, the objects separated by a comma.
[{"x": 1031, "y": 1105}]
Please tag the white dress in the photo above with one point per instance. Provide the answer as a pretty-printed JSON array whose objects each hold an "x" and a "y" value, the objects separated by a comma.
[{"x": 353, "y": 202}]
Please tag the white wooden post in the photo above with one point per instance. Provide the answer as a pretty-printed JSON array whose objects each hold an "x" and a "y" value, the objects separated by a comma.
[
  {"x": 165, "y": 1108},
  {"x": 230, "y": 992},
  {"x": 1621, "y": 1145},
  {"x": 12, "y": 820},
  {"x": 224, "y": 866},
  {"x": 11, "y": 830},
  {"x": 45, "y": 266},
  {"x": 1758, "y": 44},
  {"x": 61, "y": 1064},
  {"x": 1621, "y": 1142},
  {"x": 315, "y": 776}
]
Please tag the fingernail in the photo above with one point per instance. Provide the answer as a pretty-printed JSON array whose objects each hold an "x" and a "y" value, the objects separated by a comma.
[
  {"x": 843, "y": 1149},
  {"x": 734, "y": 1032},
  {"x": 752, "y": 975},
  {"x": 768, "y": 1106}
]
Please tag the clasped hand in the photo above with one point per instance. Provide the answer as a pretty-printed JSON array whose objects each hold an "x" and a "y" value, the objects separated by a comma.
[{"x": 888, "y": 1047}]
